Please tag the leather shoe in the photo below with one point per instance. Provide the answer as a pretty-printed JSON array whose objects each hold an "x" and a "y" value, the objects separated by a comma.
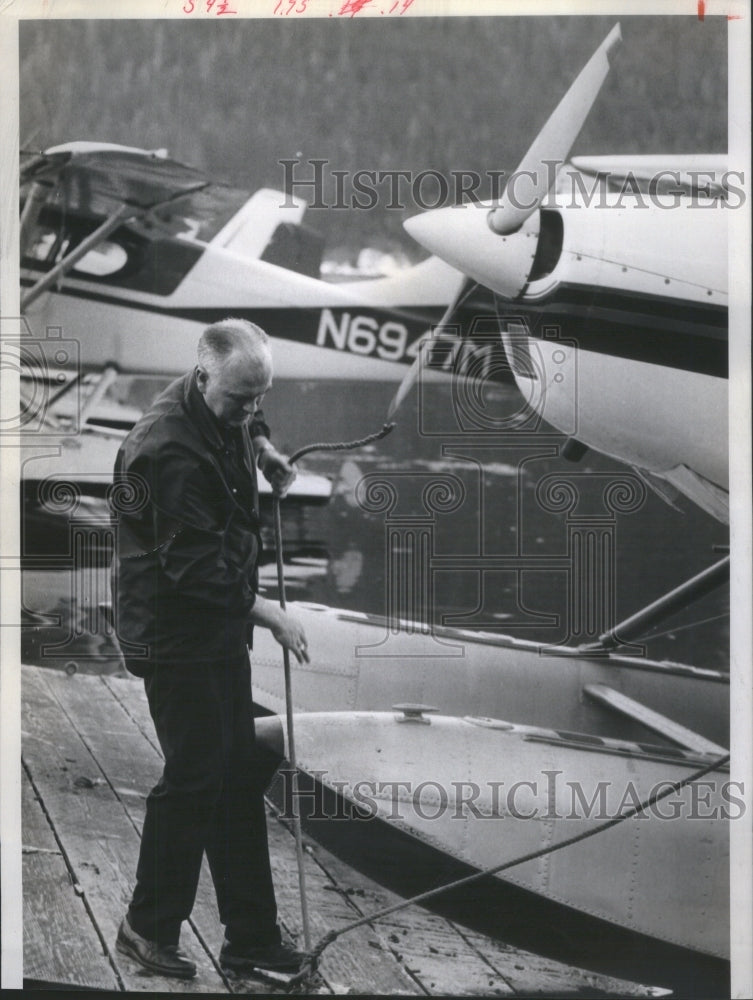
[
  {"x": 165, "y": 959},
  {"x": 278, "y": 957}
]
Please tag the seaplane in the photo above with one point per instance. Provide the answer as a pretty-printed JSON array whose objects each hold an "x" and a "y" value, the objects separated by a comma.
[
  {"x": 648, "y": 898},
  {"x": 614, "y": 321},
  {"x": 132, "y": 254}
]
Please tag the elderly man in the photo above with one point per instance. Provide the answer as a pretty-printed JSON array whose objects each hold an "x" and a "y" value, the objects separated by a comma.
[{"x": 185, "y": 590}]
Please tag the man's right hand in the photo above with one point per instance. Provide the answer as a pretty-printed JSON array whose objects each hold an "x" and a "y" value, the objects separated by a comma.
[{"x": 285, "y": 627}]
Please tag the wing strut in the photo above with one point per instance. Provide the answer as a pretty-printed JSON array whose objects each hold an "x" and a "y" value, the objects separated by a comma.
[{"x": 100, "y": 233}]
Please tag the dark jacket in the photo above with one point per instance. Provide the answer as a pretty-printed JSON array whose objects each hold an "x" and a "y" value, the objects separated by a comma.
[{"x": 185, "y": 505}]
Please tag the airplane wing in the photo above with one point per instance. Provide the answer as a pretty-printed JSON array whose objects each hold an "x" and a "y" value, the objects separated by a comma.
[
  {"x": 99, "y": 174},
  {"x": 685, "y": 173}
]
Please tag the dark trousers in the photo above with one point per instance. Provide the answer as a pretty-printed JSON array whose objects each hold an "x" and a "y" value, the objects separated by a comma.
[{"x": 209, "y": 799}]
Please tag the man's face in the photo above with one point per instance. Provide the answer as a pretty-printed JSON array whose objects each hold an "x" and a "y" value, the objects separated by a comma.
[{"x": 234, "y": 393}]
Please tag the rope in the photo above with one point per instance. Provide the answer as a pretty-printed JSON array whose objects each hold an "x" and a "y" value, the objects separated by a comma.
[
  {"x": 318, "y": 446},
  {"x": 314, "y": 954},
  {"x": 341, "y": 445}
]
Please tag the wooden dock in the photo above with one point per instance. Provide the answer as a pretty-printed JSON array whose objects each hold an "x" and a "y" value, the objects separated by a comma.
[{"x": 89, "y": 759}]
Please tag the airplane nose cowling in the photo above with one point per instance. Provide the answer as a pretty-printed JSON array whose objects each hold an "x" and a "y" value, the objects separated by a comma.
[{"x": 461, "y": 235}]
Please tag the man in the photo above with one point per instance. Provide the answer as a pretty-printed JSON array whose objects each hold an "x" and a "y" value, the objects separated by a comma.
[{"x": 185, "y": 591}]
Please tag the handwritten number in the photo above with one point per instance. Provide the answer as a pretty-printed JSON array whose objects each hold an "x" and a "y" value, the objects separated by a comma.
[
  {"x": 352, "y": 7},
  {"x": 189, "y": 7}
]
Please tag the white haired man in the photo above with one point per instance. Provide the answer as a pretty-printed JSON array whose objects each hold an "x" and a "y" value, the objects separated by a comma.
[{"x": 185, "y": 588}]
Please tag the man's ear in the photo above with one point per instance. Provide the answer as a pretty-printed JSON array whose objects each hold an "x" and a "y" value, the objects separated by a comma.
[{"x": 202, "y": 377}]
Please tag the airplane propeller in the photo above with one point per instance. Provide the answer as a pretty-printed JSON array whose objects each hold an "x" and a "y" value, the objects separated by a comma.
[
  {"x": 413, "y": 372},
  {"x": 496, "y": 245}
]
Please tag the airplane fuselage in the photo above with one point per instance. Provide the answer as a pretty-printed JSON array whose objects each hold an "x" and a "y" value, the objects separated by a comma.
[{"x": 626, "y": 339}]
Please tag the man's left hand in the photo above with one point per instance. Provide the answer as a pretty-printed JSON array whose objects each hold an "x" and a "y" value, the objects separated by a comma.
[{"x": 277, "y": 470}]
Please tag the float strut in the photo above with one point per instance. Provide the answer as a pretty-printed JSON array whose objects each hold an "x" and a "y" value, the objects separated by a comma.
[{"x": 692, "y": 590}]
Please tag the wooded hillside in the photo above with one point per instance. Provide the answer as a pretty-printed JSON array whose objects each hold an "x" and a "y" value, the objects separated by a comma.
[{"x": 236, "y": 96}]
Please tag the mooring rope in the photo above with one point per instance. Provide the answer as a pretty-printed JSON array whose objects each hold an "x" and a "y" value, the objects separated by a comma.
[
  {"x": 317, "y": 446},
  {"x": 341, "y": 445},
  {"x": 314, "y": 954}
]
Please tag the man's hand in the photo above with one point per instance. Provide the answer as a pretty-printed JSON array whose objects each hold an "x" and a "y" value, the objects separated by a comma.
[
  {"x": 278, "y": 472},
  {"x": 285, "y": 627}
]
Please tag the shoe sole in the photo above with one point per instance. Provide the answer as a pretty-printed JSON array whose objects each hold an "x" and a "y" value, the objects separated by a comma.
[
  {"x": 125, "y": 948},
  {"x": 246, "y": 965}
]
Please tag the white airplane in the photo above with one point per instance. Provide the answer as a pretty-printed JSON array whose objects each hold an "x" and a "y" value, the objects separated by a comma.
[
  {"x": 132, "y": 254},
  {"x": 610, "y": 280}
]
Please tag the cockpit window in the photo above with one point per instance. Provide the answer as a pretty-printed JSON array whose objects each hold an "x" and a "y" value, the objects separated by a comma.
[{"x": 199, "y": 215}]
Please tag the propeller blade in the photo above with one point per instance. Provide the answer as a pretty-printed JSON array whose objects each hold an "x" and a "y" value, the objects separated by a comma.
[
  {"x": 551, "y": 147},
  {"x": 411, "y": 376},
  {"x": 406, "y": 385}
]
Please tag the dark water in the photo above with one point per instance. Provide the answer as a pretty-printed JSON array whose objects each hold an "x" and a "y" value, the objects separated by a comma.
[{"x": 493, "y": 508}]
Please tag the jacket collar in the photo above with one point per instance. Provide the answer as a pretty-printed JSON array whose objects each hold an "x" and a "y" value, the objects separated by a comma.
[{"x": 199, "y": 412}]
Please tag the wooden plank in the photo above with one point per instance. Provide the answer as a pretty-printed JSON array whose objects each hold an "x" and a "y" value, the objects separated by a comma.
[
  {"x": 655, "y": 721},
  {"x": 97, "y": 836},
  {"x": 360, "y": 962},
  {"x": 429, "y": 947},
  {"x": 113, "y": 720},
  {"x": 531, "y": 974},
  {"x": 61, "y": 944}
]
